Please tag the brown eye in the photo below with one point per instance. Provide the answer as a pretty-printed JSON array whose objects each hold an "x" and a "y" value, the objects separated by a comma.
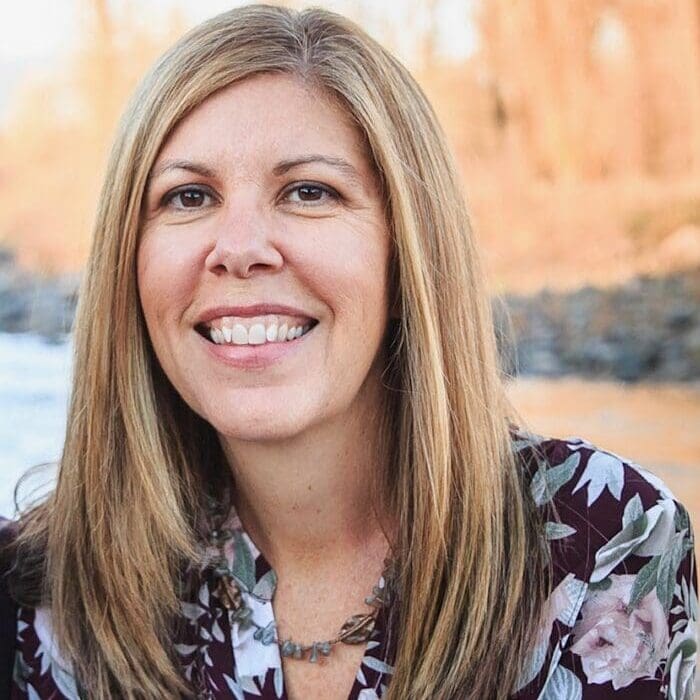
[
  {"x": 189, "y": 198},
  {"x": 309, "y": 194}
]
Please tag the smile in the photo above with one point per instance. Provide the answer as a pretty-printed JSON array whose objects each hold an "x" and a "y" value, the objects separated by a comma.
[
  {"x": 251, "y": 355},
  {"x": 255, "y": 331}
]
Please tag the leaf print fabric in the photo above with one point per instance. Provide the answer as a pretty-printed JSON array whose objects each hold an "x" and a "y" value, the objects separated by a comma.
[
  {"x": 620, "y": 619},
  {"x": 624, "y": 604}
]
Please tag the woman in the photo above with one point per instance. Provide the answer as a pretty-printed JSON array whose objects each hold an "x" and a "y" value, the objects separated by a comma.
[{"x": 290, "y": 468}]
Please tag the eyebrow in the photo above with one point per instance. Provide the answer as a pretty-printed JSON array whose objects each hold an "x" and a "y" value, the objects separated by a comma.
[
  {"x": 280, "y": 169},
  {"x": 198, "y": 168},
  {"x": 339, "y": 163}
]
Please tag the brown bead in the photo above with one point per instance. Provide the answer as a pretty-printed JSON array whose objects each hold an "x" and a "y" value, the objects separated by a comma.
[
  {"x": 357, "y": 629},
  {"x": 229, "y": 594}
]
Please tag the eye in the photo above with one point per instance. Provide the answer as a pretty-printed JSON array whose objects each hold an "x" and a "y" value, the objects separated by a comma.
[
  {"x": 311, "y": 194},
  {"x": 188, "y": 197}
]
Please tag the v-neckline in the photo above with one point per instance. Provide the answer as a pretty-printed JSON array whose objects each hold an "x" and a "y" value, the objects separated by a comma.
[{"x": 253, "y": 658}]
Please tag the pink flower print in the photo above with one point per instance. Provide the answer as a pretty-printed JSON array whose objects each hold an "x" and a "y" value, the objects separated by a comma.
[{"x": 617, "y": 644}]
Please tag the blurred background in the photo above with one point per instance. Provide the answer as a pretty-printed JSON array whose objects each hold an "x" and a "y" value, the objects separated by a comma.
[{"x": 576, "y": 125}]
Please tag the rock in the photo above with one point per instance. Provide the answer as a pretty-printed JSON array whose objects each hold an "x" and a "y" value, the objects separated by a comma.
[
  {"x": 681, "y": 315},
  {"x": 31, "y": 303},
  {"x": 648, "y": 328},
  {"x": 635, "y": 361}
]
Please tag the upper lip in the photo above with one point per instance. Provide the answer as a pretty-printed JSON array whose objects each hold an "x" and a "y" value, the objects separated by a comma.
[{"x": 251, "y": 310}]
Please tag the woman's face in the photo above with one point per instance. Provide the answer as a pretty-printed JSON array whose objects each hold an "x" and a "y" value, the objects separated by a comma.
[{"x": 265, "y": 195}]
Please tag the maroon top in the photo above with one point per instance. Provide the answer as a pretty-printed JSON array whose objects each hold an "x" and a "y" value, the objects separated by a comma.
[{"x": 620, "y": 616}]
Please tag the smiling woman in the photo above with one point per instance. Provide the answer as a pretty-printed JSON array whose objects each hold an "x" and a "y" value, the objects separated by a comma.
[
  {"x": 263, "y": 227},
  {"x": 290, "y": 469}
]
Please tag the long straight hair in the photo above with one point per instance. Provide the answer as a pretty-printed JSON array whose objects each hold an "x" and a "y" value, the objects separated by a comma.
[{"x": 104, "y": 550}]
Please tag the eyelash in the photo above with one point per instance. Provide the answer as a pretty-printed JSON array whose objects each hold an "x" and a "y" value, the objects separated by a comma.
[{"x": 170, "y": 196}]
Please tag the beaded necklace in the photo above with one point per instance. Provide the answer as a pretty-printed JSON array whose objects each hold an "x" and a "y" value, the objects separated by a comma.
[{"x": 357, "y": 629}]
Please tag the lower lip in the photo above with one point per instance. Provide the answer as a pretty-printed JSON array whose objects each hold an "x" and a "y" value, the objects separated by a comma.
[{"x": 255, "y": 356}]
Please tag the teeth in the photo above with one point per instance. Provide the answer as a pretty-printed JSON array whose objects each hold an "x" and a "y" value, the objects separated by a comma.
[
  {"x": 257, "y": 335},
  {"x": 239, "y": 335}
]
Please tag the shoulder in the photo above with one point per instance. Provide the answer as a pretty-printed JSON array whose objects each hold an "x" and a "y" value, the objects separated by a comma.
[
  {"x": 623, "y": 604},
  {"x": 599, "y": 506}
]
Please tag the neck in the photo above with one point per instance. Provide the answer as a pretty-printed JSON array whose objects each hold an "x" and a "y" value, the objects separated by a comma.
[{"x": 310, "y": 501}]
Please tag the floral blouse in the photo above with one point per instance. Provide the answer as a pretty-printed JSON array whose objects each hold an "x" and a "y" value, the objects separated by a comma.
[{"x": 620, "y": 618}]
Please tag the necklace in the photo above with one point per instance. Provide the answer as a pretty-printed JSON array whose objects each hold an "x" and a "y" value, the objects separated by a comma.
[{"x": 357, "y": 629}]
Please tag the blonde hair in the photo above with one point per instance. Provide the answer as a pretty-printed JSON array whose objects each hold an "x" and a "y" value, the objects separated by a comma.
[{"x": 123, "y": 516}]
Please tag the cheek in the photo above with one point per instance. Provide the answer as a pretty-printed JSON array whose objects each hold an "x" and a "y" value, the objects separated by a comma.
[
  {"x": 349, "y": 273},
  {"x": 164, "y": 276}
]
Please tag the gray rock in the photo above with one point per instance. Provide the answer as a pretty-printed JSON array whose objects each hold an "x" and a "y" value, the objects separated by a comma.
[
  {"x": 31, "y": 303},
  {"x": 647, "y": 329}
]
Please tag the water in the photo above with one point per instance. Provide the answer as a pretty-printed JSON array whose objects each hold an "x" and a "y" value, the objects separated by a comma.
[{"x": 34, "y": 389}]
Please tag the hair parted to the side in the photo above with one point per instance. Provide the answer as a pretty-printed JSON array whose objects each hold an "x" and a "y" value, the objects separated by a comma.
[{"x": 105, "y": 549}]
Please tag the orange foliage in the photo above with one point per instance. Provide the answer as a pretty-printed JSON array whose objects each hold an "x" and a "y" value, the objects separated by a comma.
[
  {"x": 570, "y": 122},
  {"x": 54, "y": 146}
]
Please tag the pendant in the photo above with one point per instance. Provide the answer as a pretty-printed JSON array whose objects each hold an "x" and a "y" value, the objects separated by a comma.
[
  {"x": 357, "y": 629},
  {"x": 229, "y": 593}
]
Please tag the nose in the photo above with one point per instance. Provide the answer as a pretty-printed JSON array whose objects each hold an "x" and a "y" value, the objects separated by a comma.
[{"x": 243, "y": 241}]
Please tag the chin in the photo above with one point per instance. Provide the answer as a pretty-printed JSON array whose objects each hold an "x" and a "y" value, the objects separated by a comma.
[
  {"x": 264, "y": 425},
  {"x": 261, "y": 434}
]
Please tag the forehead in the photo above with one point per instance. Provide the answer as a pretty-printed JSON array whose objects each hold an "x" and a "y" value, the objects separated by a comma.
[{"x": 266, "y": 113}]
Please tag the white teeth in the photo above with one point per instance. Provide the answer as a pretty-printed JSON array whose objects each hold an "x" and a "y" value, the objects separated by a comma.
[
  {"x": 256, "y": 334},
  {"x": 240, "y": 334}
]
